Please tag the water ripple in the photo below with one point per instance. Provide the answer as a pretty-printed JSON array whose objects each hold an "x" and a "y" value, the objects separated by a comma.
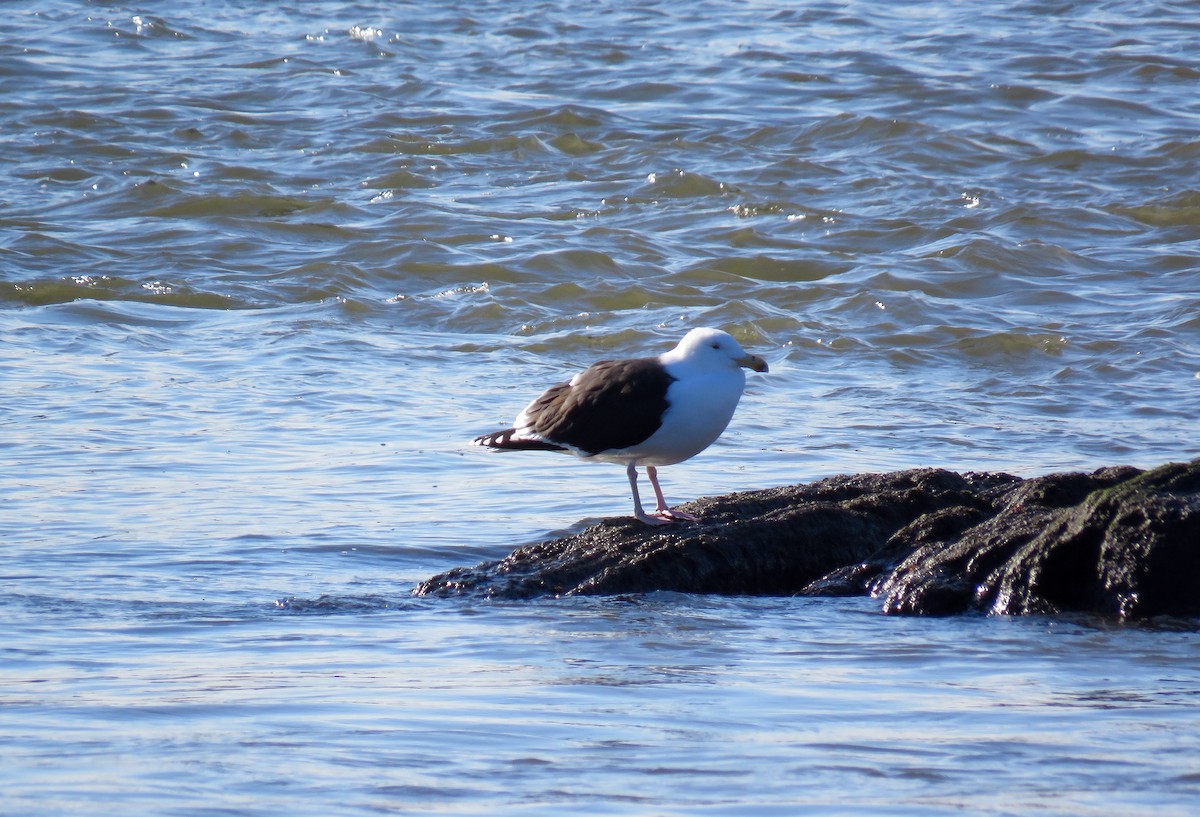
[{"x": 265, "y": 270}]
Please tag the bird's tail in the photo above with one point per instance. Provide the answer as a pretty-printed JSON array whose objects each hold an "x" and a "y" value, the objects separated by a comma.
[{"x": 509, "y": 440}]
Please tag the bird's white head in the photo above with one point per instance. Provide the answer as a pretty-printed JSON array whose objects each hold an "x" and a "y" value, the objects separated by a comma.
[{"x": 712, "y": 348}]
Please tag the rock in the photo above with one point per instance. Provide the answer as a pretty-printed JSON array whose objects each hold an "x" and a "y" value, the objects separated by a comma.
[
  {"x": 769, "y": 542},
  {"x": 931, "y": 542},
  {"x": 1117, "y": 542}
]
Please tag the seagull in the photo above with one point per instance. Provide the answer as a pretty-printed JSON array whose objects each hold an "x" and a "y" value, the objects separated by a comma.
[{"x": 650, "y": 411}]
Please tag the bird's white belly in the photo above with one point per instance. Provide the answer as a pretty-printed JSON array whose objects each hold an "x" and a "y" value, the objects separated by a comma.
[{"x": 700, "y": 410}]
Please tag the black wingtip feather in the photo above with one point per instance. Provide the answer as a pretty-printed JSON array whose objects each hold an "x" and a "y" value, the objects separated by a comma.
[{"x": 507, "y": 440}]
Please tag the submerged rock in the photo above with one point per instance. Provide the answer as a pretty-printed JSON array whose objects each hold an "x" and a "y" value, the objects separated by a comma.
[{"x": 1117, "y": 541}]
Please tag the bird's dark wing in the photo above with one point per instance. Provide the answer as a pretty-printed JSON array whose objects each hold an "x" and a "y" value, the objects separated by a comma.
[{"x": 614, "y": 404}]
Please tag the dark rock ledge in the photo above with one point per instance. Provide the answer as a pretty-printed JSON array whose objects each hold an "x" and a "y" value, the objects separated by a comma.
[{"x": 1119, "y": 541}]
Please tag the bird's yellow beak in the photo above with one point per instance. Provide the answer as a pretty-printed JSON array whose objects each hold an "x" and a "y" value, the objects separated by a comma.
[{"x": 752, "y": 362}]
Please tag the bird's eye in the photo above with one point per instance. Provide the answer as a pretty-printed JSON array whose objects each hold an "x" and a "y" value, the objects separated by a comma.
[{"x": 717, "y": 345}]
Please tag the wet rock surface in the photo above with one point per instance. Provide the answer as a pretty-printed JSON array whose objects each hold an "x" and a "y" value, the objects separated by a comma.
[{"x": 1118, "y": 541}]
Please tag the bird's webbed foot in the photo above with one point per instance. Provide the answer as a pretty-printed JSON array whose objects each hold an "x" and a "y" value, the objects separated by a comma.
[{"x": 665, "y": 516}]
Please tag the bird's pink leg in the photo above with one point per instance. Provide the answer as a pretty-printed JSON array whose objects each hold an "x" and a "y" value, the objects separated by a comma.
[
  {"x": 662, "y": 511},
  {"x": 658, "y": 518}
]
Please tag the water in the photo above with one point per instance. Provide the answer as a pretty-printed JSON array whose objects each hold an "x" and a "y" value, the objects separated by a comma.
[
  {"x": 665, "y": 705},
  {"x": 264, "y": 269}
]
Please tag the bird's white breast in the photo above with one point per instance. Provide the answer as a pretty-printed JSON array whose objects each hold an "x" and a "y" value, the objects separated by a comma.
[{"x": 701, "y": 406}]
